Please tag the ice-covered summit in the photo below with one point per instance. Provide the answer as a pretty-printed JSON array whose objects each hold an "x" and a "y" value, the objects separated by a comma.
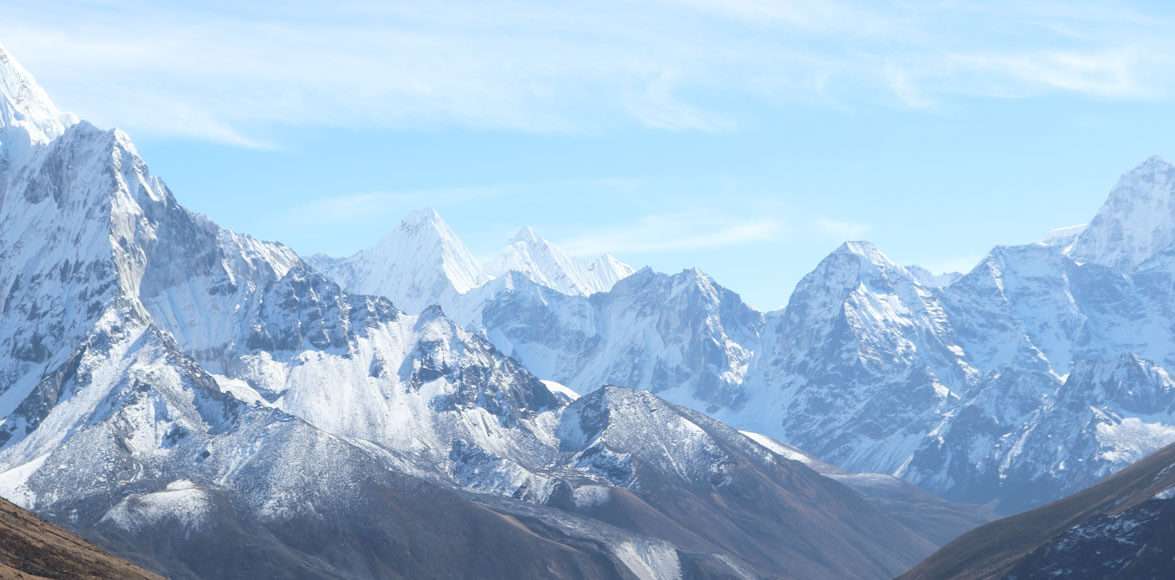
[
  {"x": 420, "y": 263},
  {"x": 1136, "y": 222},
  {"x": 424, "y": 262},
  {"x": 547, "y": 264},
  {"x": 28, "y": 116}
]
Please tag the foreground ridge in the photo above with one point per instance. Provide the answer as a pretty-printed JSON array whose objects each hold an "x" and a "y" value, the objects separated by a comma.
[{"x": 30, "y": 548}]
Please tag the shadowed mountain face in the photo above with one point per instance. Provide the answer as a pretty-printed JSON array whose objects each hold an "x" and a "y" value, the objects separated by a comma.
[
  {"x": 710, "y": 489},
  {"x": 1119, "y": 528},
  {"x": 31, "y": 548},
  {"x": 212, "y": 406}
]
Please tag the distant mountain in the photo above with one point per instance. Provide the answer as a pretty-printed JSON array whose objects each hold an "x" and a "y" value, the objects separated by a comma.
[
  {"x": 420, "y": 263},
  {"x": 1136, "y": 222},
  {"x": 549, "y": 266},
  {"x": 963, "y": 389},
  {"x": 682, "y": 336},
  {"x": 1119, "y": 528},
  {"x": 951, "y": 383},
  {"x": 423, "y": 263}
]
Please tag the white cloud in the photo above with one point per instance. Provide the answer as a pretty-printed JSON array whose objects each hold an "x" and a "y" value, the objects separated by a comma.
[
  {"x": 1112, "y": 73},
  {"x": 673, "y": 232},
  {"x": 234, "y": 73}
]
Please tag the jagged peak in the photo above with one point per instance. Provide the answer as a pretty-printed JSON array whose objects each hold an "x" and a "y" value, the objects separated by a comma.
[
  {"x": 864, "y": 258},
  {"x": 864, "y": 249},
  {"x": 27, "y": 115},
  {"x": 1137, "y": 220},
  {"x": 693, "y": 273},
  {"x": 424, "y": 234}
]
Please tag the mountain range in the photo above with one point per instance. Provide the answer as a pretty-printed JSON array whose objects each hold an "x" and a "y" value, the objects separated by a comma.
[
  {"x": 211, "y": 405},
  {"x": 959, "y": 383}
]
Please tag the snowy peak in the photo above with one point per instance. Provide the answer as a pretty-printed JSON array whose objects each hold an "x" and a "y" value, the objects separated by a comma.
[
  {"x": 28, "y": 116},
  {"x": 852, "y": 267},
  {"x": 862, "y": 260},
  {"x": 1136, "y": 222},
  {"x": 426, "y": 232},
  {"x": 420, "y": 263},
  {"x": 548, "y": 265}
]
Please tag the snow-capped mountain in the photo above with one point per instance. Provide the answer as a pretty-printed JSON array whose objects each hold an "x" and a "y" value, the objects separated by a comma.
[
  {"x": 28, "y": 118},
  {"x": 420, "y": 263},
  {"x": 965, "y": 389},
  {"x": 858, "y": 365},
  {"x": 682, "y": 336},
  {"x": 546, "y": 264},
  {"x": 423, "y": 262},
  {"x": 213, "y": 406},
  {"x": 877, "y": 367},
  {"x": 1136, "y": 222}
]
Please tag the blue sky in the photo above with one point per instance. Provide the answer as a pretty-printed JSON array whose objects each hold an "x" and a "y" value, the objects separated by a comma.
[{"x": 744, "y": 137}]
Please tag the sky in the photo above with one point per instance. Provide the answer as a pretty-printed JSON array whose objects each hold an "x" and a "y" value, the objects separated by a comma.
[{"x": 747, "y": 138}]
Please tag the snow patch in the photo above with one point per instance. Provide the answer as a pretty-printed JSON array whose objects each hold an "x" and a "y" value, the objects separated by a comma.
[
  {"x": 778, "y": 448},
  {"x": 1132, "y": 438},
  {"x": 181, "y": 501},
  {"x": 560, "y": 389},
  {"x": 651, "y": 561},
  {"x": 14, "y": 482}
]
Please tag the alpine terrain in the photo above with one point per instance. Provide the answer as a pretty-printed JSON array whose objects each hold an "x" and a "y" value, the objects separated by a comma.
[
  {"x": 959, "y": 383},
  {"x": 214, "y": 406},
  {"x": 1119, "y": 528}
]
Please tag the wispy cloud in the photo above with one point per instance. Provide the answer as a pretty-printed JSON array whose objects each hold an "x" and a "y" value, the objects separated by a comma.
[
  {"x": 234, "y": 73},
  {"x": 673, "y": 232}
]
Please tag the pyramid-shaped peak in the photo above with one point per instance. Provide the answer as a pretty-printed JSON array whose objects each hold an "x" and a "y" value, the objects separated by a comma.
[
  {"x": 425, "y": 225},
  {"x": 866, "y": 252}
]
